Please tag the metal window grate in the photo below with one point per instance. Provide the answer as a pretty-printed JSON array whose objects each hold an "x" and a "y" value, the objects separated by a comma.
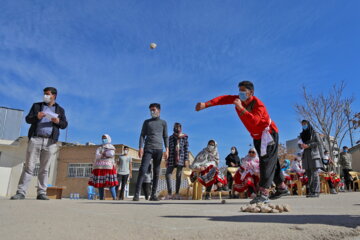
[{"x": 79, "y": 170}]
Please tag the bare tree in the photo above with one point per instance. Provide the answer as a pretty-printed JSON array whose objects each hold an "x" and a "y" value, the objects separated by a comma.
[
  {"x": 327, "y": 114},
  {"x": 355, "y": 121}
]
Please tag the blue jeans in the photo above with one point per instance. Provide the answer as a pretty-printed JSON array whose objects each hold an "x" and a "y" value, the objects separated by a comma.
[{"x": 112, "y": 190}]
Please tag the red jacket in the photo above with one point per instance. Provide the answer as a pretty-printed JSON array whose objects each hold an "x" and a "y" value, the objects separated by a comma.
[{"x": 255, "y": 118}]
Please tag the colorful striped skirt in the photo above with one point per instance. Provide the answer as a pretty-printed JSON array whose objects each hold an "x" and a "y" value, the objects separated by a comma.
[{"x": 103, "y": 178}]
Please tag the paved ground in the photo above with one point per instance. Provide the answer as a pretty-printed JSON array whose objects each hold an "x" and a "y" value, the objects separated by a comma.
[{"x": 329, "y": 217}]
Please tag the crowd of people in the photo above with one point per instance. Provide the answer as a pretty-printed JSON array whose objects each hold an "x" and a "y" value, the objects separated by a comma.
[{"x": 259, "y": 174}]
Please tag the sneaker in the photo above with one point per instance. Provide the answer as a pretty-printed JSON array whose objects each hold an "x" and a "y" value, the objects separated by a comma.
[
  {"x": 42, "y": 197},
  {"x": 207, "y": 196},
  {"x": 279, "y": 193},
  {"x": 18, "y": 196},
  {"x": 314, "y": 195},
  {"x": 154, "y": 198},
  {"x": 260, "y": 199},
  {"x": 136, "y": 198},
  {"x": 169, "y": 197},
  {"x": 333, "y": 191}
]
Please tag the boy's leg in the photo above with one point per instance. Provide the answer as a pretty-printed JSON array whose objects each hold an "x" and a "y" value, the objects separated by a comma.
[
  {"x": 168, "y": 174},
  {"x": 178, "y": 178},
  {"x": 145, "y": 162},
  {"x": 156, "y": 156}
]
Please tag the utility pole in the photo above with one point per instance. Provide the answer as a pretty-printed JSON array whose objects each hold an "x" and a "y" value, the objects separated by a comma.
[{"x": 347, "y": 113}]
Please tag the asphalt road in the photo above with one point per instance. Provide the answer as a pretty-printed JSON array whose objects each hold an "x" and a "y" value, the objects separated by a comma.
[{"x": 328, "y": 217}]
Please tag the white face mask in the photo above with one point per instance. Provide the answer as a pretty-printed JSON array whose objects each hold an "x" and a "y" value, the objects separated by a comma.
[
  {"x": 233, "y": 151},
  {"x": 126, "y": 152},
  {"x": 154, "y": 114},
  {"x": 47, "y": 98},
  {"x": 211, "y": 147}
]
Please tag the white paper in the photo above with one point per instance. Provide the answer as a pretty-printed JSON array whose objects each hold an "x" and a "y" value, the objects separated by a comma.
[{"x": 49, "y": 114}]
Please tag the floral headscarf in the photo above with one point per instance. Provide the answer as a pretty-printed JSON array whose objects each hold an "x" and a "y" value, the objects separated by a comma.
[{"x": 206, "y": 157}]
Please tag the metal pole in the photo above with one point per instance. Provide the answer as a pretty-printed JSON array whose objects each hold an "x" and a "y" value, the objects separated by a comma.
[{"x": 347, "y": 113}]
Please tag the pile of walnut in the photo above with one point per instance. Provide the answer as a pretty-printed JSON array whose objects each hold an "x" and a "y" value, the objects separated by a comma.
[{"x": 265, "y": 208}]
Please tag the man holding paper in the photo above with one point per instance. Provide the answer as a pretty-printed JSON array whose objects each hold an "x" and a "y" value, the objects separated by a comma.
[{"x": 46, "y": 118}]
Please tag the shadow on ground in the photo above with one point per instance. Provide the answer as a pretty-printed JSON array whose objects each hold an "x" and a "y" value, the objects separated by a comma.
[
  {"x": 350, "y": 221},
  {"x": 166, "y": 203}
]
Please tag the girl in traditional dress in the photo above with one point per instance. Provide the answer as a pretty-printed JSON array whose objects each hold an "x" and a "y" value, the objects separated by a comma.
[
  {"x": 104, "y": 171},
  {"x": 248, "y": 176},
  {"x": 206, "y": 163}
]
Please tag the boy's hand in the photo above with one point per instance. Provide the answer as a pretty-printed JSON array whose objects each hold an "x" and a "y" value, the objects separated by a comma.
[{"x": 200, "y": 106}]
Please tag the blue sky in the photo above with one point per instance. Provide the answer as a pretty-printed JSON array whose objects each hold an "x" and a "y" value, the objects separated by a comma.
[{"x": 96, "y": 53}]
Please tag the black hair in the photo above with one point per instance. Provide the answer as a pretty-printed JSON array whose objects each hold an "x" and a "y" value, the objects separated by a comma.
[
  {"x": 326, "y": 151},
  {"x": 211, "y": 141},
  {"x": 177, "y": 124},
  {"x": 51, "y": 89},
  {"x": 345, "y": 147},
  {"x": 126, "y": 147},
  {"x": 305, "y": 121},
  {"x": 247, "y": 84},
  {"x": 157, "y": 105}
]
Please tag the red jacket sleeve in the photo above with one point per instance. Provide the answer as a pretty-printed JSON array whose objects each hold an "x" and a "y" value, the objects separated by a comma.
[
  {"x": 258, "y": 116},
  {"x": 222, "y": 100}
]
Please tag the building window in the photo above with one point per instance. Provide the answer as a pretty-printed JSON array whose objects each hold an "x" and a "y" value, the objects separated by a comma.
[
  {"x": 79, "y": 170},
  {"x": 36, "y": 169}
]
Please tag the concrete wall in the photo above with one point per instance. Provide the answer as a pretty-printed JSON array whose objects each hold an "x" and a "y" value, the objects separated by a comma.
[{"x": 12, "y": 157}]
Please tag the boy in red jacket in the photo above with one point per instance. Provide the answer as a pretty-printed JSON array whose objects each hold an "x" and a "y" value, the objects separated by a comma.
[{"x": 253, "y": 114}]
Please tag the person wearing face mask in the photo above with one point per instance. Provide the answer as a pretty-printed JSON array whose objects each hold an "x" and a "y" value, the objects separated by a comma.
[
  {"x": 311, "y": 157},
  {"x": 153, "y": 135},
  {"x": 124, "y": 171},
  {"x": 205, "y": 166},
  {"x": 46, "y": 119},
  {"x": 345, "y": 163},
  {"x": 247, "y": 177},
  {"x": 330, "y": 176},
  {"x": 232, "y": 160},
  {"x": 178, "y": 158},
  {"x": 253, "y": 114},
  {"x": 104, "y": 170}
]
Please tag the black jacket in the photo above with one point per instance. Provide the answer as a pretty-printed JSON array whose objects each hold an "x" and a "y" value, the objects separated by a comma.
[
  {"x": 32, "y": 119},
  {"x": 233, "y": 158}
]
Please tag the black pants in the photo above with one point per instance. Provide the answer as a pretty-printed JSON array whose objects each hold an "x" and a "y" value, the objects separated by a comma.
[
  {"x": 230, "y": 180},
  {"x": 208, "y": 189},
  {"x": 146, "y": 189},
  {"x": 169, "y": 172},
  {"x": 122, "y": 183},
  {"x": 156, "y": 156},
  {"x": 347, "y": 178},
  {"x": 270, "y": 169}
]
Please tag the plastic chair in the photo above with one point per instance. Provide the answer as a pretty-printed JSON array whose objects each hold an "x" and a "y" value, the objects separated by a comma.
[
  {"x": 356, "y": 179},
  {"x": 187, "y": 174},
  {"x": 91, "y": 193}
]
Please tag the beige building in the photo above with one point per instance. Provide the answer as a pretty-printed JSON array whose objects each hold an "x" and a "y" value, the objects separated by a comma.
[
  {"x": 75, "y": 166},
  {"x": 12, "y": 158},
  {"x": 70, "y": 168},
  {"x": 355, "y": 152}
]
